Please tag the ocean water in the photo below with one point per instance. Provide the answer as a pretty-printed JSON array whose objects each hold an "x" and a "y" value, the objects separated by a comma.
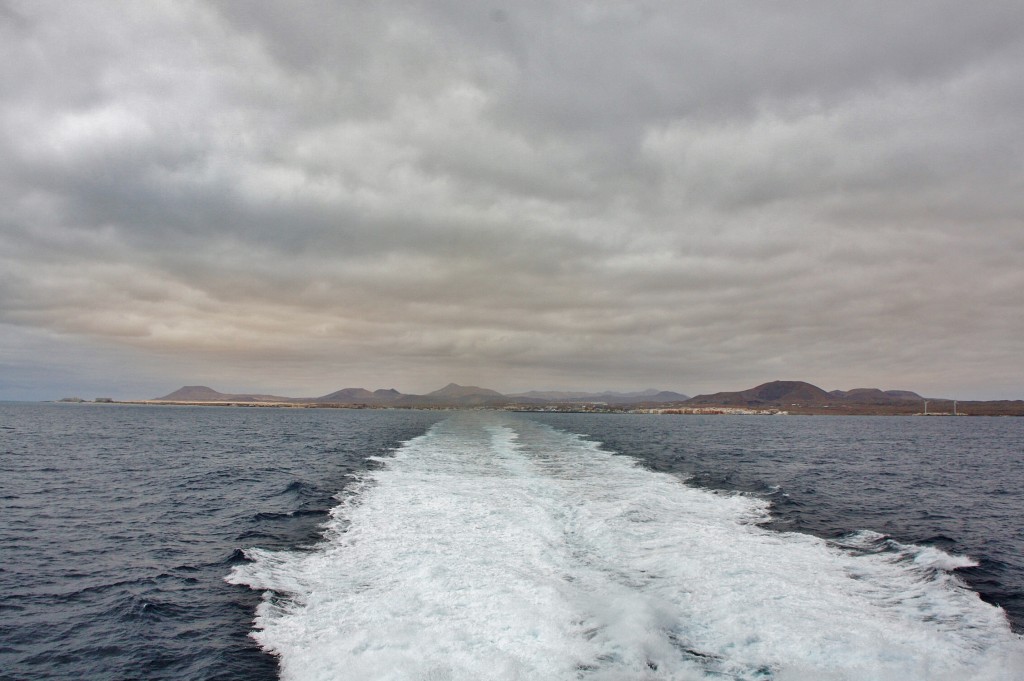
[
  {"x": 118, "y": 525},
  {"x": 219, "y": 543}
]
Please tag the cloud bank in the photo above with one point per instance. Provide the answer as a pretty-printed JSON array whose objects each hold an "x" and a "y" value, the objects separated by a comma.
[{"x": 692, "y": 196}]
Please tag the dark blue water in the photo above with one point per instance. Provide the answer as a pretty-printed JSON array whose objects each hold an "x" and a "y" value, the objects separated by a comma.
[{"x": 118, "y": 524}]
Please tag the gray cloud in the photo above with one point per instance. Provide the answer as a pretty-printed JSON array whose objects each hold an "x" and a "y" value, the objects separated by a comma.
[{"x": 689, "y": 195}]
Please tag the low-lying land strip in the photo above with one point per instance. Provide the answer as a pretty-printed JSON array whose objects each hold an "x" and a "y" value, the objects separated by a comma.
[{"x": 773, "y": 398}]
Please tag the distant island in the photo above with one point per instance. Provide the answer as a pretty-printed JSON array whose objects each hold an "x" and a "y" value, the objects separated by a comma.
[
  {"x": 452, "y": 395},
  {"x": 774, "y": 397}
]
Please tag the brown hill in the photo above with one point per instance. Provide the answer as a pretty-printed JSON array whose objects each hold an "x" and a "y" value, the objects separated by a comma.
[
  {"x": 456, "y": 391},
  {"x": 875, "y": 396},
  {"x": 455, "y": 395},
  {"x": 201, "y": 393},
  {"x": 349, "y": 396},
  {"x": 193, "y": 393},
  {"x": 803, "y": 398},
  {"x": 774, "y": 393}
]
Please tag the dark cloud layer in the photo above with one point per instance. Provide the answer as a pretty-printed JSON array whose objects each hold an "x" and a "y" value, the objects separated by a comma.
[{"x": 695, "y": 196}]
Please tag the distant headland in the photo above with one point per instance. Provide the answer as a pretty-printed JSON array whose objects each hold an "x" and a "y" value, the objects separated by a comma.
[{"x": 774, "y": 397}]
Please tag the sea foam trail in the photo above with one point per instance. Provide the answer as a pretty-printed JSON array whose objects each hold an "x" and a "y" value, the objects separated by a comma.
[{"x": 494, "y": 547}]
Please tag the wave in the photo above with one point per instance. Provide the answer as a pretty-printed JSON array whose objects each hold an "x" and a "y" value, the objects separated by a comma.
[{"x": 494, "y": 547}]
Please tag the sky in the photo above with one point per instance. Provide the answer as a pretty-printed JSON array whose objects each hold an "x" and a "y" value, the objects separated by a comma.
[{"x": 295, "y": 198}]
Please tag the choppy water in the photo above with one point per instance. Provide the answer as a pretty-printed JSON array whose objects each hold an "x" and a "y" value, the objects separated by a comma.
[
  {"x": 483, "y": 545},
  {"x": 118, "y": 525}
]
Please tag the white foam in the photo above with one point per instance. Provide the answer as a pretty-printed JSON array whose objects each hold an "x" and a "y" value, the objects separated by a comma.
[{"x": 496, "y": 548}]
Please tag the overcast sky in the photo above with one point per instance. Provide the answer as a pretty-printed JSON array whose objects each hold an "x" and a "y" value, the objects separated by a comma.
[{"x": 697, "y": 196}]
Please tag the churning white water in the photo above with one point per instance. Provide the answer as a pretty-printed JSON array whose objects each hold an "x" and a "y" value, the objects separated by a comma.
[{"x": 494, "y": 547}]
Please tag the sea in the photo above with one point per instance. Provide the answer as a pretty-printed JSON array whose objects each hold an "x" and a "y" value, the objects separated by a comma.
[{"x": 201, "y": 543}]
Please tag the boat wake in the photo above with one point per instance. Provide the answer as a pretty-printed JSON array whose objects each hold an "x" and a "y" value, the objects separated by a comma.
[{"x": 494, "y": 547}]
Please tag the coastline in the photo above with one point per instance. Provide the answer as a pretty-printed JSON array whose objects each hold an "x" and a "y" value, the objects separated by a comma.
[{"x": 974, "y": 408}]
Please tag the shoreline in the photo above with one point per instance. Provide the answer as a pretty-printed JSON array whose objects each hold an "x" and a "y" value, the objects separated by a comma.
[{"x": 999, "y": 408}]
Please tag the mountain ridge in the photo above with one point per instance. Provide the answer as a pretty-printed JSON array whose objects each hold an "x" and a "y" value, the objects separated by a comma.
[
  {"x": 451, "y": 394},
  {"x": 778, "y": 394}
]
